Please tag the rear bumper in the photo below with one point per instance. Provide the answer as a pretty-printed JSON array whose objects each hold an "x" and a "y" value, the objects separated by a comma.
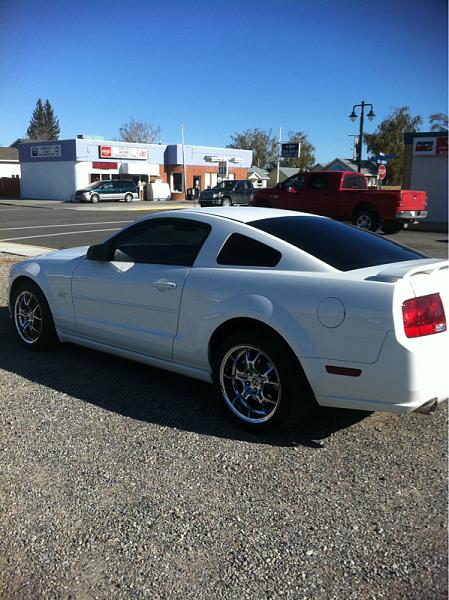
[
  {"x": 402, "y": 380},
  {"x": 411, "y": 216}
]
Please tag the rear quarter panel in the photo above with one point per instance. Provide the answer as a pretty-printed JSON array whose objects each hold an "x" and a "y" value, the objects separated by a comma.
[{"x": 288, "y": 302}]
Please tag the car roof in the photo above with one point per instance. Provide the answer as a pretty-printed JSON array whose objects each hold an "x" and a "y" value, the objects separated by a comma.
[{"x": 244, "y": 214}]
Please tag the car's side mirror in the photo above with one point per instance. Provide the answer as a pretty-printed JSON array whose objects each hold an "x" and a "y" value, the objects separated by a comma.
[{"x": 98, "y": 252}]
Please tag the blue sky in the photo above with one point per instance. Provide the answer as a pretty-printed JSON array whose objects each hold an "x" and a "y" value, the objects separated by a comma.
[{"x": 221, "y": 67}]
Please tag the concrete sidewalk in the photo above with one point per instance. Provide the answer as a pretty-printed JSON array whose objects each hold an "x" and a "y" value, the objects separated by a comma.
[{"x": 103, "y": 206}]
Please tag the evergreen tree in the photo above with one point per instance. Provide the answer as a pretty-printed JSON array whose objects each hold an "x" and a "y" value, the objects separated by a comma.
[
  {"x": 43, "y": 124},
  {"x": 51, "y": 122}
]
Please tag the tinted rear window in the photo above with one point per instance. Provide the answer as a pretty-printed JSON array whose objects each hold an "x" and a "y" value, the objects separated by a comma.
[{"x": 344, "y": 247}]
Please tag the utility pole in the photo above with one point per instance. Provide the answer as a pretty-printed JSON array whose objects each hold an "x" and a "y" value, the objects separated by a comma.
[
  {"x": 183, "y": 163},
  {"x": 279, "y": 153}
]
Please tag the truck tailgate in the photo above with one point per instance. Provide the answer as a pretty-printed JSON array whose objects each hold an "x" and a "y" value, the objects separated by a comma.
[{"x": 412, "y": 200}]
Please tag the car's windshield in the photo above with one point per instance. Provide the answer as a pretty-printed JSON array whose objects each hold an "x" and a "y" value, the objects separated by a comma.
[
  {"x": 93, "y": 185},
  {"x": 344, "y": 247},
  {"x": 224, "y": 185}
]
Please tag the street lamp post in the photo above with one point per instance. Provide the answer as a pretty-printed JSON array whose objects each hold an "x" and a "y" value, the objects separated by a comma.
[{"x": 353, "y": 117}]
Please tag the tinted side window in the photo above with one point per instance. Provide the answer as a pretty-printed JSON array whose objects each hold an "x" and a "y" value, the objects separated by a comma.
[
  {"x": 117, "y": 185},
  {"x": 318, "y": 182},
  {"x": 354, "y": 182},
  {"x": 163, "y": 241},
  {"x": 295, "y": 182},
  {"x": 239, "y": 186},
  {"x": 246, "y": 252},
  {"x": 342, "y": 246}
]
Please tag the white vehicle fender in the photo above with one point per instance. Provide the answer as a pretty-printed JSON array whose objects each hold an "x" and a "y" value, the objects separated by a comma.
[
  {"x": 56, "y": 285},
  {"x": 192, "y": 343}
]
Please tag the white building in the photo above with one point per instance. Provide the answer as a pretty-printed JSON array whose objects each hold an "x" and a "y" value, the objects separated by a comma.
[{"x": 54, "y": 170}]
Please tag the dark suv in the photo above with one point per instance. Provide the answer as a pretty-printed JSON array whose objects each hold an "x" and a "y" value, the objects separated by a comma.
[
  {"x": 227, "y": 193},
  {"x": 116, "y": 189}
]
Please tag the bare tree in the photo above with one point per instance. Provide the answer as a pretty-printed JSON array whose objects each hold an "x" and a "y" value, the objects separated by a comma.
[
  {"x": 140, "y": 131},
  {"x": 262, "y": 143}
]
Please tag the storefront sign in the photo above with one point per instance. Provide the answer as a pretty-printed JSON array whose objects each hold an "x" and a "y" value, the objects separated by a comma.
[
  {"x": 104, "y": 165},
  {"x": 223, "y": 168},
  {"x": 290, "y": 150},
  {"x": 442, "y": 145},
  {"x": 123, "y": 152},
  {"x": 53, "y": 150},
  {"x": 424, "y": 147}
]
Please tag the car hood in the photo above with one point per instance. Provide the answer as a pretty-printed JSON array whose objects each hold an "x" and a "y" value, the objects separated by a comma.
[
  {"x": 67, "y": 254},
  {"x": 209, "y": 193}
]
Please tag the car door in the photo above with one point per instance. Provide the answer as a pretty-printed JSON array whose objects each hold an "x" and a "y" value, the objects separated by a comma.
[
  {"x": 132, "y": 299},
  {"x": 238, "y": 195},
  {"x": 317, "y": 198},
  {"x": 106, "y": 191},
  {"x": 289, "y": 193}
]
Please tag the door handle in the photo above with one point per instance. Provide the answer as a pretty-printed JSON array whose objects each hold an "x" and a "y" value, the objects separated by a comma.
[{"x": 164, "y": 284}]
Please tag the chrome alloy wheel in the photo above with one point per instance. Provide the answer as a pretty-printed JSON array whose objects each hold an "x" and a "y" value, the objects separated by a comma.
[
  {"x": 250, "y": 383},
  {"x": 28, "y": 317}
]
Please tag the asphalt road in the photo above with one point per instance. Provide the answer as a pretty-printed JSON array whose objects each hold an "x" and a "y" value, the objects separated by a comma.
[
  {"x": 61, "y": 226},
  {"x": 65, "y": 226}
]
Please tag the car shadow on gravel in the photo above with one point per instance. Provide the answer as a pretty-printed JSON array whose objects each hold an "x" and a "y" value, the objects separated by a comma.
[{"x": 148, "y": 394}]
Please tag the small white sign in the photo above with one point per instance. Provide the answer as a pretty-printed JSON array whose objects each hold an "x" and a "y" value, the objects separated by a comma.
[
  {"x": 51, "y": 150},
  {"x": 123, "y": 152}
]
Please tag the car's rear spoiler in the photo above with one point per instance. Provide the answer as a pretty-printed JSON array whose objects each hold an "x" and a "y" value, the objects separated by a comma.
[{"x": 407, "y": 270}]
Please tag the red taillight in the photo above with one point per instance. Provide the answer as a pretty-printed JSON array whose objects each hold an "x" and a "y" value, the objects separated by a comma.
[{"x": 423, "y": 316}]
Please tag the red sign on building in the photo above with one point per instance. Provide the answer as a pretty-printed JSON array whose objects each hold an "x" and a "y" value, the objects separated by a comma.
[
  {"x": 104, "y": 165},
  {"x": 105, "y": 151},
  {"x": 442, "y": 145}
]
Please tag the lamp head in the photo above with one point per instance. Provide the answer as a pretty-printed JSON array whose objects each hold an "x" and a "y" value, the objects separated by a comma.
[
  {"x": 371, "y": 115},
  {"x": 353, "y": 116}
]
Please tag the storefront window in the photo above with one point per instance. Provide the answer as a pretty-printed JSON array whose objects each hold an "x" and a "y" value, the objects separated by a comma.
[{"x": 176, "y": 182}]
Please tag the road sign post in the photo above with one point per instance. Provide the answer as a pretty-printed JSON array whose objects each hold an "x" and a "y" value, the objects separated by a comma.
[{"x": 381, "y": 173}]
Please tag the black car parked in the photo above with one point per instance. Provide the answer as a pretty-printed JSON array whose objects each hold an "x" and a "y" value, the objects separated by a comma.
[{"x": 227, "y": 193}]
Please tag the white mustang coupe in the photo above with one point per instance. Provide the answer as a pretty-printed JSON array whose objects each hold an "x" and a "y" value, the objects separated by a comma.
[{"x": 281, "y": 310}]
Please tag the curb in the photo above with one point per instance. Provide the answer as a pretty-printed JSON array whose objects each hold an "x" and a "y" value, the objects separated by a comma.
[{"x": 24, "y": 249}]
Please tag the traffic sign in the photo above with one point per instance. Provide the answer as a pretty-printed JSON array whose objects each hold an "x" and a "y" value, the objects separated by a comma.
[{"x": 382, "y": 172}]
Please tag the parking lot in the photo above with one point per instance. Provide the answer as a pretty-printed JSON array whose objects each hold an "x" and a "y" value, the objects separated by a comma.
[{"x": 122, "y": 481}]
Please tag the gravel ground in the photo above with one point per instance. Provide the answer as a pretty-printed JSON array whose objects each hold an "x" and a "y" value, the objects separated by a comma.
[{"x": 121, "y": 481}]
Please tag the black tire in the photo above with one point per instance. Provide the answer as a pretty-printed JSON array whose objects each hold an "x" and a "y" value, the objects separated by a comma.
[
  {"x": 40, "y": 332},
  {"x": 226, "y": 202},
  {"x": 391, "y": 227},
  {"x": 128, "y": 197},
  {"x": 94, "y": 198},
  {"x": 366, "y": 218},
  {"x": 281, "y": 395}
]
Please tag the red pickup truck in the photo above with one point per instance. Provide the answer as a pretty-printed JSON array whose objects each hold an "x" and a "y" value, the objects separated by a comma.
[{"x": 345, "y": 196}]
